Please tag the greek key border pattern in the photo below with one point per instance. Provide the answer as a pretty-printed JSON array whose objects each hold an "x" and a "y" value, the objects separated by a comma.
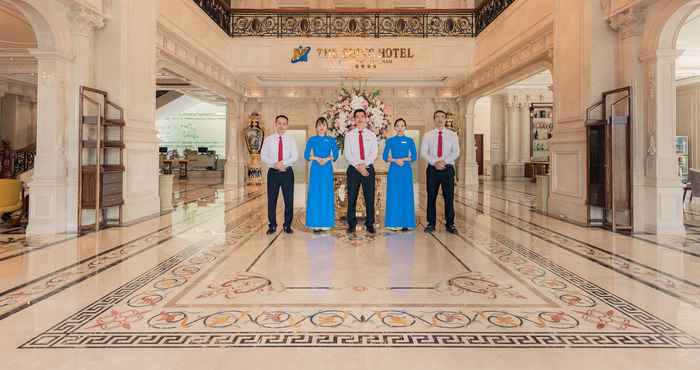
[{"x": 365, "y": 339}]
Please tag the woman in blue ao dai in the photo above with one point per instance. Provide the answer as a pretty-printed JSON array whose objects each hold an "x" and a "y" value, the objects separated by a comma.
[
  {"x": 321, "y": 150},
  {"x": 400, "y": 151}
]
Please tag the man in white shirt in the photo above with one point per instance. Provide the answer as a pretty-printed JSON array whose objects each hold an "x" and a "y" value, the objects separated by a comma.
[
  {"x": 279, "y": 152},
  {"x": 360, "y": 150},
  {"x": 440, "y": 148}
]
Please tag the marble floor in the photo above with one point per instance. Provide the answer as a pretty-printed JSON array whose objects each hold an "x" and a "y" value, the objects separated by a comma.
[{"x": 203, "y": 287}]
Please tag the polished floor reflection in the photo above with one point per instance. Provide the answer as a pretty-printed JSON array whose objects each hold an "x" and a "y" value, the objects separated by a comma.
[{"x": 204, "y": 287}]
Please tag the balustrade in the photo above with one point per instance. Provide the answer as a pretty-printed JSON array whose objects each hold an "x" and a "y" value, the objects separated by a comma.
[{"x": 353, "y": 23}]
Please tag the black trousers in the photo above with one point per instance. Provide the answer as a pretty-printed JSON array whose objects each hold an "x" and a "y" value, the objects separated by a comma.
[
  {"x": 276, "y": 180},
  {"x": 445, "y": 179},
  {"x": 354, "y": 180}
]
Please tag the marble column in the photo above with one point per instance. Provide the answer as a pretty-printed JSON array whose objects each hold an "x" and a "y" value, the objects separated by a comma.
[
  {"x": 497, "y": 134},
  {"x": 513, "y": 166},
  {"x": 470, "y": 175},
  {"x": 233, "y": 169},
  {"x": 525, "y": 143},
  {"x": 85, "y": 22},
  {"x": 129, "y": 35},
  {"x": 654, "y": 176},
  {"x": 48, "y": 188},
  {"x": 663, "y": 206},
  {"x": 580, "y": 73}
]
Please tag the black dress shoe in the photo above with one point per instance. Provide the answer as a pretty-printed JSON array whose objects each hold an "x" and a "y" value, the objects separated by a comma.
[
  {"x": 288, "y": 230},
  {"x": 271, "y": 230},
  {"x": 429, "y": 228},
  {"x": 404, "y": 229},
  {"x": 371, "y": 230},
  {"x": 351, "y": 230},
  {"x": 452, "y": 230}
]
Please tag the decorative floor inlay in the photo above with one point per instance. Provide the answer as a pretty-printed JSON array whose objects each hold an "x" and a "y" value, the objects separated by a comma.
[
  {"x": 666, "y": 282},
  {"x": 688, "y": 244},
  {"x": 16, "y": 245},
  {"x": 24, "y": 295},
  {"x": 482, "y": 289}
]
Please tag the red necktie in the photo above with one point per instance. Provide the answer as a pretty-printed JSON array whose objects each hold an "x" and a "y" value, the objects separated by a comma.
[
  {"x": 362, "y": 147},
  {"x": 439, "y": 144},
  {"x": 280, "y": 150}
]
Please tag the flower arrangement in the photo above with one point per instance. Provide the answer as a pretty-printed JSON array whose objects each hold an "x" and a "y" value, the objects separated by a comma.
[{"x": 339, "y": 113}]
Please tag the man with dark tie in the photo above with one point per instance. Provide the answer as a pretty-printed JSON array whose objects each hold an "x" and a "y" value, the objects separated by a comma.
[
  {"x": 360, "y": 150},
  {"x": 279, "y": 152},
  {"x": 440, "y": 148}
]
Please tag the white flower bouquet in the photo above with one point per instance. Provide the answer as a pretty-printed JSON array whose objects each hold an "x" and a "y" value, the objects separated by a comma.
[{"x": 339, "y": 113}]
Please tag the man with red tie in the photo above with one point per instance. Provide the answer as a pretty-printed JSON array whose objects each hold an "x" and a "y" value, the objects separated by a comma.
[
  {"x": 360, "y": 150},
  {"x": 440, "y": 148},
  {"x": 279, "y": 152}
]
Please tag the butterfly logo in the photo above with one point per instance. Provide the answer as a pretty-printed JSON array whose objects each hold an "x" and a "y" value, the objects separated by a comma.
[{"x": 301, "y": 54}]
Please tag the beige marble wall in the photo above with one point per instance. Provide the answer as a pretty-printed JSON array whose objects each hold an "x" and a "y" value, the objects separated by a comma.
[
  {"x": 523, "y": 20},
  {"x": 309, "y": 104},
  {"x": 584, "y": 67},
  {"x": 129, "y": 38}
]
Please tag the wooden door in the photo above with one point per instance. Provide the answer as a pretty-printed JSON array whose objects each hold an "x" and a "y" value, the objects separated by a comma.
[{"x": 479, "y": 143}]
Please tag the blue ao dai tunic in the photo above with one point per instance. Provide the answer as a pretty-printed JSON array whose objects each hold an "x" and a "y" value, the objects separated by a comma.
[
  {"x": 400, "y": 209},
  {"x": 320, "y": 207}
]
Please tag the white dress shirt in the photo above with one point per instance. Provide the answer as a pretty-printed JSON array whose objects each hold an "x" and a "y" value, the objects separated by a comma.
[
  {"x": 270, "y": 148},
  {"x": 450, "y": 146},
  {"x": 351, "y": 148}
]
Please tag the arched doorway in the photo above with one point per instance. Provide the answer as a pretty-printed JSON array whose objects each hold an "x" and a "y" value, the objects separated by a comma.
[
  {"x": 53, "y": 184},
  {"x": 687, "y": 142},
  {"x": 18, "y": 86},
  {"x": 660, "y": 203},
  {"x": 538, "y": 67}
]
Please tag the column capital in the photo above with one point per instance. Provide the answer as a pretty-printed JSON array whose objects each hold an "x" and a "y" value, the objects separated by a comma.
[
  {"x": 85, "y": 19},
  {"x": 663, "y": 55},
  {"x": 629, "y": 22}
]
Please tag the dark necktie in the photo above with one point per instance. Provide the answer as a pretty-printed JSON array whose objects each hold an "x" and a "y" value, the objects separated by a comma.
[
  {"x": 280, "y": 150},
  {"x": 439, "y": 152},
  {"x": 362, "y": 146}
]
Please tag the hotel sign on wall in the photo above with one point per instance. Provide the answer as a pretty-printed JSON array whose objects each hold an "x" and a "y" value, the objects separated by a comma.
[{"x": 358, "y": 58}]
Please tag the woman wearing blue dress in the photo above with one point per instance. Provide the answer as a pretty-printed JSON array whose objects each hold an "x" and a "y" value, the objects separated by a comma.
[
  {"x": 400, "y": 151},
  {"x": 321, "y": 150}
]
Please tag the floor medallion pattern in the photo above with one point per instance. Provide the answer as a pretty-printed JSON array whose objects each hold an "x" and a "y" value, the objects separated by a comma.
[{"x": 243, "y": 290}]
